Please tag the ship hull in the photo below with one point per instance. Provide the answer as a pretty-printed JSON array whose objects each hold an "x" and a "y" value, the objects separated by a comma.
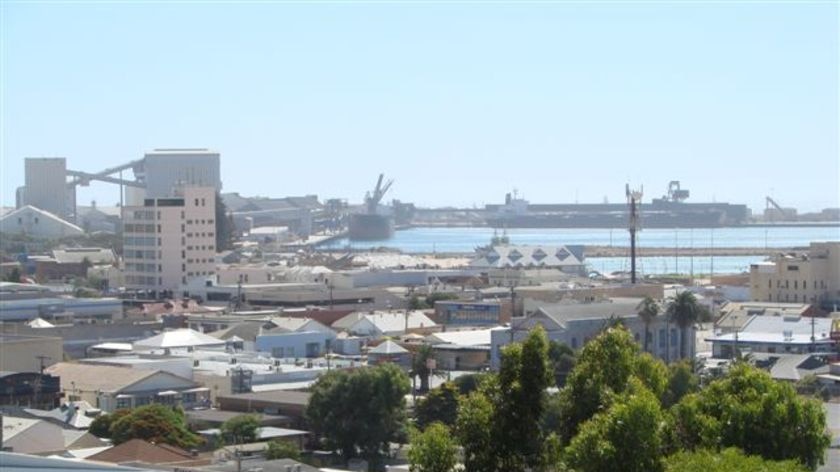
[
  {"x": 364, "y": 227},
  {"x": 619, "y": 220}
]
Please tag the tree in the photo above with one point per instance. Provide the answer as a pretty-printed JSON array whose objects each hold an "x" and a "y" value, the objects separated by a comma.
[
  {"x": 626, "y": 437},
  {"x": 749, "y": 410},
  {"x": 474, "y": 431},
  {"x": 647, "y": 309},
  {"x": 224, "y": 225},
  {"x": 519, "y": 400},
  {"x": 681, "y": 382},
  {"x": 469, "y": 383},
  {"x": 562, "y": 359},
  {"x": 728, "y": 460},
  {"x": 359, "y": 411},
  {"x": 101, "y": 426},
  {"x": 684, "y": 310},
  {"x": 278, "y": 449},
  {"x": 241, "y": 429},
  {"x": 420, "y": 365},
  {"x": 440, "y": 405},
  {"x": 154, "y": 423},
  {"x": 433, "y": 450},
  {"x": 13, "y": 276},
  {"x": 604, "y": 368}
]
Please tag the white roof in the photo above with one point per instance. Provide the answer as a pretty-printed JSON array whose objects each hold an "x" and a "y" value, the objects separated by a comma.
[
  {"x": 40, "y": 323},
  {"x": 113, "y": 346},
  {"x": 14, "y": 425},
  {"x": 476, "y": 337},
  {"x": 780, "y": 330},
  {"x": 388, "y": 347},
  {"x": 43, "y": 214},
  {"x": 527, "y": 256},
  {"x": 178, "y": 338},
  {"x": 387, "y": 322}
]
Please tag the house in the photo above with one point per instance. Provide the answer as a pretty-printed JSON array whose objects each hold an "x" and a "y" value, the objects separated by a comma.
[
  {"x": 735, "y": 315},
  {"x": 789, "y": 334},
  {"x": 389, "y": 351},
  {"x": 136, "y": 451},
  {"x": 110, "y": 388},
  {"x": 75, "y": 414},
  {"x": 574, "y": 324},
  {"x": 178, "y": 338},
  {"x": 295, "y": 337},
  {"x": 36, "y": 223},
  {"x": 462, "y": 350},
  {"x": 385, "y": 323},
  {"x": 32, "y": 435},
  {"x": 791, "y": 367},
  {"x": 296, "y": 344}
]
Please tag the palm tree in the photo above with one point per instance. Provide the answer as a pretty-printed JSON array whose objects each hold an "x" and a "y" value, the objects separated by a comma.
[
  {"x": 420, "y": 365},
  {"x": 683, "y": 310},
  {"x": 647, "y": 309}
]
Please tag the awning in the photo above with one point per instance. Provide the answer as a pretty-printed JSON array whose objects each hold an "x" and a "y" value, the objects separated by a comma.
[
  {"x": 196, "y": 390},
  {"x": 124, "y": 395},
  {"x": 167, "y": 393}
]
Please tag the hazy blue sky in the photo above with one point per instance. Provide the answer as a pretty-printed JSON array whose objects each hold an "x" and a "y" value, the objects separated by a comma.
[{"x": 458, "y": 102}]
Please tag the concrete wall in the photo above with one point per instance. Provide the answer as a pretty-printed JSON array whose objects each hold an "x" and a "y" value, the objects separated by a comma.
[
  {"x": 293, "y": 345},
  {"x": 20, "y": 353}
]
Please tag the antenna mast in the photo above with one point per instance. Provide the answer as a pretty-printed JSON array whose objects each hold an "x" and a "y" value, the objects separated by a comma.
[{"x": 634, "y": 202}]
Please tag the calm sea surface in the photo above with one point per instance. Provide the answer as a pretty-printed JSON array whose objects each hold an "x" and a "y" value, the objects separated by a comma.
[{"x": 428, "y": 240}]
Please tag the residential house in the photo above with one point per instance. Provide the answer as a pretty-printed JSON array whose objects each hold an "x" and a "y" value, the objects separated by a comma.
[
  {"x": 574, "y": 324},
  {"x": 789, "y": 334},
  {"x": 110, "y": 388},
  {"x": 385, "y": 323}
]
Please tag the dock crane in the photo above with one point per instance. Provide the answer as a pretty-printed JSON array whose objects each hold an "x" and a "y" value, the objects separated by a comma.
[
  {"x": 772, "y": 203},
  {"x": 372, "y": 200}
]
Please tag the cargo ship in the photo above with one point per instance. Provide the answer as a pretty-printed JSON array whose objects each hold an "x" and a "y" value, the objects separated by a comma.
[
  {"x": 670, "y": 211},
  {"x": 374, "y": 223}
]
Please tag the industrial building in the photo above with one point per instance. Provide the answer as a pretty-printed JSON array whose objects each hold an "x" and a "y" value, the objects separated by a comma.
[
  {"x": 167, "y": 169},
  {"x": 37, "y": 223},
  {"x": 170, "y": 240},
  {"x": 50, "y": 186},
  {"x": 45, "y": 186}
]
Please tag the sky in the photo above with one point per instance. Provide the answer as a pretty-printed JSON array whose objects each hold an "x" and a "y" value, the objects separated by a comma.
[{"x": 458, "y": 102}]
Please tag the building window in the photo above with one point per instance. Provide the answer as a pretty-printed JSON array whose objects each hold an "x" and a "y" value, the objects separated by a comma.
[
  {"x": 196, "y": 202},
  {"x": 202, "y": 202},
  {"x": 158, "y": 228},
  {"x": 804, "y": 285},
  {"x": 795, "y": 284},
  {"x": 36, "y": 220}
]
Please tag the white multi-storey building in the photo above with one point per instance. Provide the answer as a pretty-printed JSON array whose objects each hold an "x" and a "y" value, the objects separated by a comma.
[{"x": 170, "y": 240}]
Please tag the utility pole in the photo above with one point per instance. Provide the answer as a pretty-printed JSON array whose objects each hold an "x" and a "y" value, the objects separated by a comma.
[{"x": 41, "y": 360}]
